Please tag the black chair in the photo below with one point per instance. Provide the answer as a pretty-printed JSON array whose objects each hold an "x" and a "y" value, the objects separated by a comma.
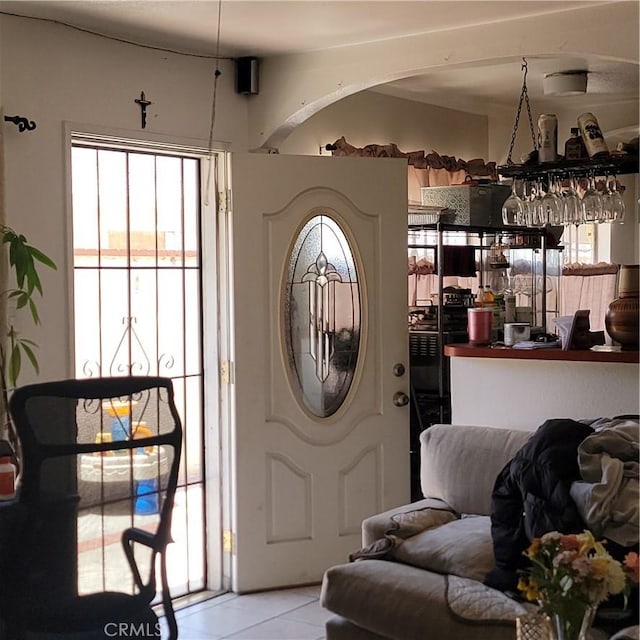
[{"x": 99, "y": 472}]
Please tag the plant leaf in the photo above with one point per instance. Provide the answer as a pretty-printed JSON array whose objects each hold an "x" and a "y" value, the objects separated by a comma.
[
  {"x": 23, "y": 298},
  {"x": 15, "y": 363},
  {"x": 34, "y": 311},
  {"x": 33, "y": 279},
  {"x": 30, "y": 354},
  {"x": 42, "y": 257},
  {"x": 20, "y": 259}
]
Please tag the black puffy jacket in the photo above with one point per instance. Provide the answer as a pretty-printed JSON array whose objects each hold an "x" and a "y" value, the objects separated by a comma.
[{"x": 531, "y": 497}]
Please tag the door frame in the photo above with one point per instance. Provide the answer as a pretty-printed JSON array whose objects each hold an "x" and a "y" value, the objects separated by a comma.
[{"x": 214, "y": 487}]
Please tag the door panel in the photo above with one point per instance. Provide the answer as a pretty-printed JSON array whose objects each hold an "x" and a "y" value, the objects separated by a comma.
[{"x": 303, "y": 483}]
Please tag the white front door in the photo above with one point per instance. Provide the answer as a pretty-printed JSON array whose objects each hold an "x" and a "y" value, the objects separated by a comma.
[{"x": 319, "y": 282}]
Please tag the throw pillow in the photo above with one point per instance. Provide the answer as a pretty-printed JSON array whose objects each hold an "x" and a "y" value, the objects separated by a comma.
[{"x": 462, "y": 547}]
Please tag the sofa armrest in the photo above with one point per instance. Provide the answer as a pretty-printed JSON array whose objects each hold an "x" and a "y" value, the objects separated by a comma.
[{"x": 374, "y": 527}]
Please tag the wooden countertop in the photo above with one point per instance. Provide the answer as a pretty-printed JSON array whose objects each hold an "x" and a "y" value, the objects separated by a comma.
[{"x": 471, "y": 351}]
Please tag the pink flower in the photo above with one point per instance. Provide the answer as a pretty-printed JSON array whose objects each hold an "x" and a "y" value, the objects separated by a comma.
[
  {"x": 582, "y": 566},
  {"x": 564, "y": 557}
]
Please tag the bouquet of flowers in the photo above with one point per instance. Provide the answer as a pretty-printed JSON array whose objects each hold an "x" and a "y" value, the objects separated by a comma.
[{"x": 570, "y": 575}]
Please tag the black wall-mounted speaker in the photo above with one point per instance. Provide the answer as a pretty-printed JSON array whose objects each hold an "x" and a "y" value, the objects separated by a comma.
[{"x": 247, "y": 75}]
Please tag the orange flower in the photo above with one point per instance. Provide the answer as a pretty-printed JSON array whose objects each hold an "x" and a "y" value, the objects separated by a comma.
[
  {"x": 533, "y": 547},
  {"x": 632, "y": 566}
]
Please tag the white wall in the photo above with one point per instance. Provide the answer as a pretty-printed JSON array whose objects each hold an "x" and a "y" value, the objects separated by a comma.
[
  {"x": 54, "y": 74},
  {"x": 522, "y": 394},
  {"x": 368, "y": 117}
]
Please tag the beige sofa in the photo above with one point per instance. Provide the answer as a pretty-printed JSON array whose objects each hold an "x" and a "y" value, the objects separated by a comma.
[{"x": 432, "y": 588}]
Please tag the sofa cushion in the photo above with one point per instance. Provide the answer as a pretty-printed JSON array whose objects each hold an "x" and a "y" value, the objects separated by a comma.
[
  {"x": 404, "y": 524},
  {"x": 462, "y": 547},
  {"x": 459, "y": 463},
  {"x": 399, "y": 602}
]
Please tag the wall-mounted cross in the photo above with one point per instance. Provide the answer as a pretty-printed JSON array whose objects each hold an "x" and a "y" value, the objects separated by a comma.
[{"x": 143, "y": 103}]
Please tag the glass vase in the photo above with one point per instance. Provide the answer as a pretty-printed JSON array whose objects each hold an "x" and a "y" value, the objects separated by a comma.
[{"x": 572, "y": 625}]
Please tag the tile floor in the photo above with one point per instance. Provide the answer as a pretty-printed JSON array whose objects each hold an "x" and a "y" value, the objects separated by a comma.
[{"x": 289, "y": 614}]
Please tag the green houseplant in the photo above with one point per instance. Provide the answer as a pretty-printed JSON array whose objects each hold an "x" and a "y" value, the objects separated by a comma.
[{"x": 21, "y": 285}]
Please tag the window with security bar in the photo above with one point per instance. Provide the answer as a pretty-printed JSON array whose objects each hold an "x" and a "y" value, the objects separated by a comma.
[{"x": 138, "y": 311}]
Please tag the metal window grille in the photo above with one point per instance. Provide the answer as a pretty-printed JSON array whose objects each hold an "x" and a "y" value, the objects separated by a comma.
[{"x": 138, "y": 309}]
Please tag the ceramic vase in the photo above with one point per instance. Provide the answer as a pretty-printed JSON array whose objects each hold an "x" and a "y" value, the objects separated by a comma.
[{"x": 623, "y": 314}]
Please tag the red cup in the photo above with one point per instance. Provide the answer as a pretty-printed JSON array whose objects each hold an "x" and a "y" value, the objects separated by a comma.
[{"x": 479, "y": 325}]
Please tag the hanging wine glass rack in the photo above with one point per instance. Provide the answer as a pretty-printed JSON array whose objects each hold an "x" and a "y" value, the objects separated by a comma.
[{"x": 611, "y": 165}]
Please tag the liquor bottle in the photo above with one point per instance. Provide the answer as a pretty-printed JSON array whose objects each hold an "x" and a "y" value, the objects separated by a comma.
[
  {"x": 592, "y": 136},
  {"x": 574, "y": 148},
  {"x": 548, "y": 130}
]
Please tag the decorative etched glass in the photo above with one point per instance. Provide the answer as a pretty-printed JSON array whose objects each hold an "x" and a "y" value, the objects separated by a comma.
[{"x": 322, "y": 313}]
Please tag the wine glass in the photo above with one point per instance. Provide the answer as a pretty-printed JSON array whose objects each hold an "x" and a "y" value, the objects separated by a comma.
[
  {"x": 617, "y": 203},
  {"x": 528, "y": 204},
  {"x": 552, "y": 205},
  {"x": 591, "y": 202},
  {"x": 571, "y": 203},
  {"x": 607, "y": 202},
  {"x": 538, "y": 210},
  {"x": 512, "y": 209}
]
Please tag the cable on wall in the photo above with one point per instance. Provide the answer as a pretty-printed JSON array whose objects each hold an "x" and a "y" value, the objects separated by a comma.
[
  {"x": 216, "y": 74},
  {"x": 116, "y": 39}
]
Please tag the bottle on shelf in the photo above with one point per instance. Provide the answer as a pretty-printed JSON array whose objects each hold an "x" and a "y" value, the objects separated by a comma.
[
  {"x": 574, "y": 148},
  {"x": 630, "y": 147},
  {"x": 480, "y": 297},
  {"x": 489, "y": 298},
  {"x": 548, "y": 132},
  {"x": 592, "y": 136}
]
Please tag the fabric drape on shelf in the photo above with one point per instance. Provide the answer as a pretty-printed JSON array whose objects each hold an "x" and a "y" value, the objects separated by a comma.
[{"x": 424, "y": 169}]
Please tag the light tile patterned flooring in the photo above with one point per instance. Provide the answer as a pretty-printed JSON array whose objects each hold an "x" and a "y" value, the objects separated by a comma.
[{"x": 289, "y": 614}]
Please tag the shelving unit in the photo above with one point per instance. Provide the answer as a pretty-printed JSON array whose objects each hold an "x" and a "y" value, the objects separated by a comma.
[
  {"x": 429, "y": 367},
  {"x": 519, "y": 240}
]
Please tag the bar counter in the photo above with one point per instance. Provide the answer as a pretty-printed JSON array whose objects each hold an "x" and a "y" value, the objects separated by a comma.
[
  {"x": 521, "y": 388},
  {"x": 473, "y": 351}
]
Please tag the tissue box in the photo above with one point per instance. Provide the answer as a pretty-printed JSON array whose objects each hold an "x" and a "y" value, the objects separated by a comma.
[{"x": 474, "y": 205}]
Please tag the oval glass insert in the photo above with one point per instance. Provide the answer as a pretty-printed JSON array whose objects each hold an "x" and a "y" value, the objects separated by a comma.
[{"x": 322, "y": 312}]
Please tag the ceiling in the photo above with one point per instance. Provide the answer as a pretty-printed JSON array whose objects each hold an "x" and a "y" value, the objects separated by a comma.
[{"x": 266, "y": 28}]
